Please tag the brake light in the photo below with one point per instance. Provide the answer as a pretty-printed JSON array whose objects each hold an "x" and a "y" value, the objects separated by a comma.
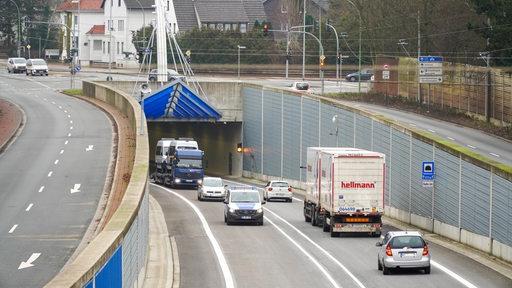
[
  {"x": 388, "y": 251},
  {"x": 425, "y": 250},
  {"x": 269, "y": 188},
  {"x": 290, "y": 189}
]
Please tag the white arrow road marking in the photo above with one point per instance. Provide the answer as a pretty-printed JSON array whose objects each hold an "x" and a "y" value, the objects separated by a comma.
[
  {"x": 27, "y": 264},
  {"x": 75, "y": 189},
  {"x": 89, "y": 148}
]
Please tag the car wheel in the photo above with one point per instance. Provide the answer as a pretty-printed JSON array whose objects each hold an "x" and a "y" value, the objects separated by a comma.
[
  {"x": 427, "y": 270},
  {"x": 290, "y": 200},
  {"x": 385, "y": 270},
  {"x": 352, "y": 79},
  {"x": 379, "y": 266}
]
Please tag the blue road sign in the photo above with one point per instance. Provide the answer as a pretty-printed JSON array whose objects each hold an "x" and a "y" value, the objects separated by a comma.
[
  {"x": 427, "y": 171},
  {"x": 430, "y": 59}
]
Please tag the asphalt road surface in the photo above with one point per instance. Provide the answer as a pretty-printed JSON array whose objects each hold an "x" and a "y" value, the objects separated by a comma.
[{"x": 51, "y": 179}]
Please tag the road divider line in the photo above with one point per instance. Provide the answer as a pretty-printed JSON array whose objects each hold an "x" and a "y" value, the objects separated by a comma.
[
  {"x": 320, "y": 267},
  {"x": 354, "y": 278},
  {"x": 228, "y": 278},
  {"x": 453, "y": 275}
]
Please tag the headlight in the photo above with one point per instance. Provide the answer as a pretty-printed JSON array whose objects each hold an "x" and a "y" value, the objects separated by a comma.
[
  {"x": 177, "y": 180},
  {"x": 259, "y": 210},
  {"x": 200, "y": 181},
  {"x": 232, "y": 210}
]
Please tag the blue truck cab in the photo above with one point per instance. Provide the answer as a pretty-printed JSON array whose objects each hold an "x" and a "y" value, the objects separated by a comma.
[{"x": 184, "y": 168}]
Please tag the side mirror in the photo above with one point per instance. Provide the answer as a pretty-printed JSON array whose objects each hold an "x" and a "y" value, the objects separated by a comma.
[{"x": 226, "y": 201}]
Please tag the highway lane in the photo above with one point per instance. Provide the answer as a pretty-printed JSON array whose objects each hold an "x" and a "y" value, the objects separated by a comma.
[
  {"x": 288, "y": 252},
  {"x": 51, "y": 179}
]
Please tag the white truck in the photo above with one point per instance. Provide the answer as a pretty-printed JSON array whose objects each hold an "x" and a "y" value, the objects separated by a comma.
[
  {"x": 166, "y": 147},
  {"x": 345, "y": 190}
]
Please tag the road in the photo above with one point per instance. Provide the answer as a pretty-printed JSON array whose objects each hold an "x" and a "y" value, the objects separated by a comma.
[
  {"x": 52, "y": 179},
  {"x": 288, "y": 252}
]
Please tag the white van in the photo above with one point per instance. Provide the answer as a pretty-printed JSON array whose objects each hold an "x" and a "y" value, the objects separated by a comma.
[
  {"x": 37, "y": 67},
  {"x": 167, "y": 146}
]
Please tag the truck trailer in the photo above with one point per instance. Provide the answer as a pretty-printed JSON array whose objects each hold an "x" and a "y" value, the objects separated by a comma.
[{"x": 345, "y": 190}]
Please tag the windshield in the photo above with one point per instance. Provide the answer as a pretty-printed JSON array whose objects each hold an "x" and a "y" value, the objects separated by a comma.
[
  {"x": 189, "y": 163},
  {"x": 280, "y": 184},
  {"x": 212, "y": 182},
  {"x": 38, "y": 62},
  {"x": 245, "y": 197},
  {"x": 20, "y": 60}
]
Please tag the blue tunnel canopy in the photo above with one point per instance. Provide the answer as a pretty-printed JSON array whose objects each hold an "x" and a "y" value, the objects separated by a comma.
[{"x": 177, "y": 100}]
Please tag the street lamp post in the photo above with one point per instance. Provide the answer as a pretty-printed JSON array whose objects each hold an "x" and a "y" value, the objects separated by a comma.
[
  {"x": 19, "y": 28},
  {"x": 239, "y": 47},
  {"x": 360, "y": 28},
  {"x": 337, "y": 51}
]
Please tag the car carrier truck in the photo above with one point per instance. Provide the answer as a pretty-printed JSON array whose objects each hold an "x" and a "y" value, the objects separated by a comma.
[
  {"x": 345, "y": 190},
  {"x": 180, "y": 165}
]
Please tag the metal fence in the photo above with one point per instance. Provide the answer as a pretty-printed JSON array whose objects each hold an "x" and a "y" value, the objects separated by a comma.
[{"x": 470, "y": 200}]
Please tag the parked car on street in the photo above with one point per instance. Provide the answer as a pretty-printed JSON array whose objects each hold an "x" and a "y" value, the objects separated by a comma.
[
  {"x": 403, "y": 250},
  {"x": 171, "y": 75},
  {"x": 366, "y": 74},
  {"x": 16, "y": 65},
  {"x": 211, "y": 188},
  {"x": 36, "y": 67},
  {"x": 278, "y": 189}
]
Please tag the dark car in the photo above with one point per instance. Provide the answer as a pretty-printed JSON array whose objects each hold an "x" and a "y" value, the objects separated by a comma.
[
  {"x": 171, "y": 75},
  {"x": 365, "y": 76}
]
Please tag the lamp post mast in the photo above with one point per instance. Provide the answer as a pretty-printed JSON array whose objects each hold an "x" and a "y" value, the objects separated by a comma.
[{"x": 19, "y": 28}]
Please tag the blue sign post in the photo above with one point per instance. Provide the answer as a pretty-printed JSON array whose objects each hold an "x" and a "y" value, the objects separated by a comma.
[{"x": 427, "y": 171}]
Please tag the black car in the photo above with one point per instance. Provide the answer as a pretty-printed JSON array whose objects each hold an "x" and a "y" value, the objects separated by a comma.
[{"x": 365, "y": 76}]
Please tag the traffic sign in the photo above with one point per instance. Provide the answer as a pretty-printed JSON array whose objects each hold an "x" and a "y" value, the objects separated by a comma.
[
  {"x": 430, "y": 59},
  {"x": 427, "y": 171},
  {"x": 431, "y": 79},
  {"x": 431, "y": 71},
  {"x": 385, "y": 75},
  {"x": 322, "y": 57}
]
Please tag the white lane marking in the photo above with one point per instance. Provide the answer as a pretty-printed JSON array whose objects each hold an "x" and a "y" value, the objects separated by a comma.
[
  {"x": 71, "y": 128},
  {"x": 56, "y": 162},
  {"x": 27, "y": 264},
  {"x": 431, "y": 131},
  {"x": 228, "y": 278},
  {"x": 453, "y": 274},
  {"x": 69, "y": 134},
  {"x": 62, "y": 151},
  {"x": 66, "y": 143},
  {"x": 311, "y": 258},
  {"x": 495, "y": 155},
  {"x": 29, "y": 207},
  {"x": 89, "y": 148},
  {"x": 451, "y": 138},
  {"x": 41, "y": 189},
  {"x": 354, "y": 278},
  {"x": 50, "y": 174},
  {"x": 75, "y": 188},
  {"x": 70, "y": 121},
  {"x": 13, "y": 228},
  {"x": 471, "y": 146}
]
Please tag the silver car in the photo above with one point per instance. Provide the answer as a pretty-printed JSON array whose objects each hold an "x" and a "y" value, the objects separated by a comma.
[
  {"x": 403, "y": 249},
  {"x": 211, "y": 188}
]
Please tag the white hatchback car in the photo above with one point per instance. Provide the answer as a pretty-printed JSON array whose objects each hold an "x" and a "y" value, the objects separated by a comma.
[
  {"x": 16, "y": 65},
  {"x": 403, "y": 249},
  {"x": 211, "y": 188},
  {"x": 37, "y": 67},
  {"x": 278, "y": 189}
]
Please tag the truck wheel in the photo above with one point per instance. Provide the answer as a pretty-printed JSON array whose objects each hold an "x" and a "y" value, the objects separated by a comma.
[
  {"x": 325, "y": 227},
  {"x": 313, "y": 218},
  {"x": 306, "y": 217}
]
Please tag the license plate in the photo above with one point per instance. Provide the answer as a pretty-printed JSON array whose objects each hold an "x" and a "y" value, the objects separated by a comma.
[
  {"x": 246, "y": 217},
  {"x": 407, "y": 254}
]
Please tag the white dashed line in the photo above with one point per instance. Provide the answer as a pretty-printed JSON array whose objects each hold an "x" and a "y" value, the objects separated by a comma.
[
  {"x": 61, "y": 151},
  {"x": 50, "y": 174},
  {"x": 471, "y": 146},
  {"x": 29, "y": 206},
  {"x": 56, "y": 162},
  {"x": 495, "y": 155},
  {"x": 13, "y": 228},
  {"x": 41, "y": 189}
]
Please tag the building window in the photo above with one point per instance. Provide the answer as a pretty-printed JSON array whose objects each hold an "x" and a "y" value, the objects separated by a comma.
[
  {"x": 96, "y": 45},
  {"x": 120, "y": 25},
  {"x": 117, "y": 47},
  {"x": 243, "y": 27}
]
